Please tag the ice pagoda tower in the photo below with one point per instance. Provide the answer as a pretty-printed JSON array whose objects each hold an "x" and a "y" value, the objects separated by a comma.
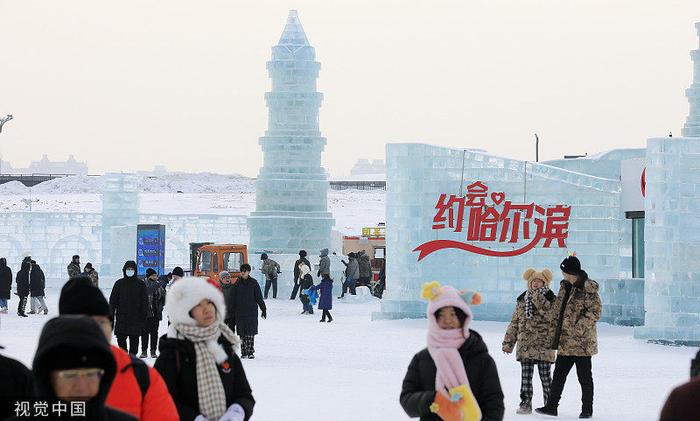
[
  {"x": 291, "y": 210},
  {"x": 692, "y": 123}
]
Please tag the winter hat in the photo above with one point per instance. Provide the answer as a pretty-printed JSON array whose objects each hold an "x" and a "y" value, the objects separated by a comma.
[
  {"x": 184, "y": 295},
  {"x": 571, "y": 265},
  {"x": 223, "y": 274},
  {"x": 178, "y": 271},
  {"x": 150, "y": 272},
  {"x": 531, "y": 275},
  {"x": 263, "y": 256},
  {"x": 446, "y": 296},
  {"x": 304, "y": 270},
  {"x": 302, "y": 253},
  {"x": 88, "y": 265},
  {"x": 80, "y": 296}
]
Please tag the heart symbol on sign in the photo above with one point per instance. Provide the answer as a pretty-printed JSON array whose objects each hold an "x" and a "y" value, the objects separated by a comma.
[{"x": 498, "y": 197}]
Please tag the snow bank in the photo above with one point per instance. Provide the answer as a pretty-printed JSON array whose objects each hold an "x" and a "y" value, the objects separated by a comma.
[{"x": 13, "y": 188}]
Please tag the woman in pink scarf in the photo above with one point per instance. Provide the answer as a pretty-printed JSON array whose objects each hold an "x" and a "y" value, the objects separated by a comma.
[{"x": 454, "y": 378}]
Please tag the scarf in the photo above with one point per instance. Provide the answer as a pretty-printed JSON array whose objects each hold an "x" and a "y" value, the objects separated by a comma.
[
  {"x": 529, "y": 295},
  {"x": 443, "y": 346},
  {"x": 212, "y": 397}
]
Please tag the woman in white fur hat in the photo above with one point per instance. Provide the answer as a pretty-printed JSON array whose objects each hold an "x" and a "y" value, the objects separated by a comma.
[{"x": 198, "y": 358}]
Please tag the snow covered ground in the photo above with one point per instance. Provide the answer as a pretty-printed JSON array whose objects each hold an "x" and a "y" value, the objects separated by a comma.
[{"x": 352, "y": 369}]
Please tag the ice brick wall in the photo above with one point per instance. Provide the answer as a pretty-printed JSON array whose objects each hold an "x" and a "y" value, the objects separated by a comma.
[
  {"x": 672, "y": 235},
  {"x": 416, "y": 176},
  {"x": 291, "y": 211},
  {"x": 51, "y": 239}
]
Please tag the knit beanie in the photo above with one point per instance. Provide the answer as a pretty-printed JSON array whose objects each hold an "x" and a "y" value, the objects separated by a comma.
[
  {"x": 80, "y": 296},
  {"x": 531, "y": 275},
  {"x": 446, "y": 296},
  {"x": 263, "y": 256},
  {"x": 571, "y": 265}
]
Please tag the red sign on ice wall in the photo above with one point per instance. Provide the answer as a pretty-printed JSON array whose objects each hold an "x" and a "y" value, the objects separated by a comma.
[{"x": 500, "y": 221}]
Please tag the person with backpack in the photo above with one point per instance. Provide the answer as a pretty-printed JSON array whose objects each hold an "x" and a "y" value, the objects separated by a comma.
[
  {"x": 352, "y": 274},
  {"x": 138, "y": 389},
  {"x": 23, "y": 286},
  {"x": 73, "y": 363},
  {"x": 198, "y": 356},
  {"x": 129, "y": 303},
  {"x": 297, "y": 275},
  {"x": 5, "y": 285},
  {"x": 270, "y": 269},
  {"x": 156, "y": 301}
]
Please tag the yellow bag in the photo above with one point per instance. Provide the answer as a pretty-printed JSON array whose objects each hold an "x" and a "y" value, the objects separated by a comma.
[{"x": 470, "y": 408}]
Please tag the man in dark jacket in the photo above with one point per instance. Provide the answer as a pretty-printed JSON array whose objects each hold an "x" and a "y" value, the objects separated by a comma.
[
  {"x": 578, "y": 308},
  {"x": 23, "y": 286},
  {"x": 365, "y": 268},
  {"x": 352, "y": 274},
  {"x": 324, "y": 264},
  {"x": 245, "y": 299},
  {"x": 695, "y": 366},
  {"x": 73, "y": 362},
  {"x": 37, "y": 287},
  {"x": 270, "y": 269},
  {"x": 154, "y": 313},
  {"x": 418, "y": 391},
  {"x": 226, "y": 287},
  {"x": 15, "y": 385},
  {"x": 74, "y": 267},
  {"x": 297, "y": 273},
  {"x": 129, "y": 303},
  {"x": 5, "y": 284}
]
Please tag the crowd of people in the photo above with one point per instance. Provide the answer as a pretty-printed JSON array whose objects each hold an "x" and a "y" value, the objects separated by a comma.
[{"x": 198, "y": 374}]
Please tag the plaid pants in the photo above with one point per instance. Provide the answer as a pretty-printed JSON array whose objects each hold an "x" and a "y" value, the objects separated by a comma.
[
  {"x": 247, "y": 345},
  {"x": 528, "y": 368}
]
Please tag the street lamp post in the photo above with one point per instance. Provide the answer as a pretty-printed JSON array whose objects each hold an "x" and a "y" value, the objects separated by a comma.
[{"x": 3, "y": 120}]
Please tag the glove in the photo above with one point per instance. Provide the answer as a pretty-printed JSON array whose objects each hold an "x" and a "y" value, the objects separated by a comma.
[
  {"x": 264, "y": 314},
  {"x": 201, "y": 417},
  {"x": 445, "y": 408},
  {"x": 234, "y": 412}
]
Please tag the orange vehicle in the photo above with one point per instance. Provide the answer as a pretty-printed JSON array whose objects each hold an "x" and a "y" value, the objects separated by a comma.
[{"x": 212, "y": 259}]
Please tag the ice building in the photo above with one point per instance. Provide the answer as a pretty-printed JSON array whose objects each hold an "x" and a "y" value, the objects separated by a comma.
[
  {"x": 291, "y": 211},
  {"x": 477, "y": 221}
]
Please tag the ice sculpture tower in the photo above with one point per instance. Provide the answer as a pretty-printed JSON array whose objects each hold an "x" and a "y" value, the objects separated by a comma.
[
  {"x": 692, "y": 123},
  {"x": 672, "y": 231},
  {"x": 120, "y": 212},
  {"x": 291, "y": 211}
]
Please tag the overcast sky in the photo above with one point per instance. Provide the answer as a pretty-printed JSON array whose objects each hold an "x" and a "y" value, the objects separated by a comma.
[{"x": 129, "y": 84}]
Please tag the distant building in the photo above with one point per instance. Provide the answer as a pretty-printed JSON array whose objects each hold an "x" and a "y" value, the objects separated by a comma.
[
  {"x": 365, "y": 166},
  {"x": 45, "y": 166}
]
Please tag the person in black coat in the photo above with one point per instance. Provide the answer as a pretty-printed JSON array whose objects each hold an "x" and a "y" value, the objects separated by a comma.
[
  {"x": 129, "y": 303},
  {"x": 154, "y": 313},
  {"x": 246, "y": 297},
  {"x": 297, "y": 273},
  {"x": 426, "y": 395},
  {"x": 37, "y": 288},
  {"x": 306, "y": 282},
  {"x": 197, "y": 357},
  {"x": 5, "y": 284},
  {"x": 15, "y": 385},
  {"x": 74, "y": 362},
  {"x": 23, "y": 286}
]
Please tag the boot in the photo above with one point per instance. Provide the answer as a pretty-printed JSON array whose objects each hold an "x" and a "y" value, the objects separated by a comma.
[
  {"x": 525, "y": 408},
  {"x": 586, "y": 412},
  {"x": 143, "y": 355},
  {"x": 548, "y": 409},
  {"x": 3, "y": 310},
  {"x": 330, "y": 319},
  {"x": 153, "y": 354}
]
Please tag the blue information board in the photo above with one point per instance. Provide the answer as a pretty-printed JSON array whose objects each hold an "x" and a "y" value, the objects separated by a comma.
[{"x": 150, "y": 248}]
